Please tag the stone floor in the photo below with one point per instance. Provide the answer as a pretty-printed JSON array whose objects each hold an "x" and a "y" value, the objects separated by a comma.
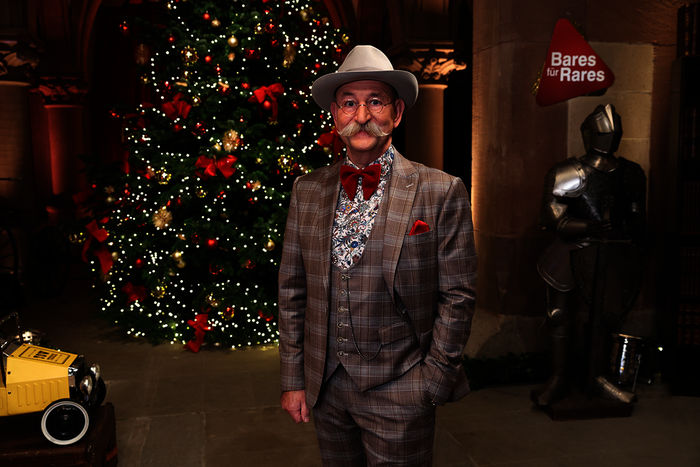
[{"x": 220, "y": 408}]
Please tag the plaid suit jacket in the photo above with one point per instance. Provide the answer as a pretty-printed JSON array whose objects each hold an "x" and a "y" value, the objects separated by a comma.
[{"x": 431, "y": 275}]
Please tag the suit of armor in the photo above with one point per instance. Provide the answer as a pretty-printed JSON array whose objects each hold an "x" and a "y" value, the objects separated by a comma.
[{"x": 596, "y": 206}]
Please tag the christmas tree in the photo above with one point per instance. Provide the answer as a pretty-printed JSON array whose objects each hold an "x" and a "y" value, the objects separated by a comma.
[{"x": 189, "y": 245}]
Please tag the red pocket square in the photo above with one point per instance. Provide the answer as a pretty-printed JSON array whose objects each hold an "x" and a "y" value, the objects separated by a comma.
[{"x": 419, "y": 227}]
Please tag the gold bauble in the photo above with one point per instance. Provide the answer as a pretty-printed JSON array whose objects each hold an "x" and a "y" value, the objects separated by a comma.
[
  {"x": 345, "y": 38},
  {"x": 256, "y": 185},
  {"x": 109, "y": 199},
  {"x": 158, "y": 292},
  {"x": 189, "y": 55},
  {"x": 180, "y": 264},
  {"x": 162, "y": 218},
  {"x": 270, "y": 245},
  {"x": 217, "y": 146},
  {"x": 285, "y": 163},
  {"x": 163, "y": 177},
  {"x": 304, "y": 15},
  {"x": 231, "y": 56},
  {"x": 216, "y": 23},
  {"x": 290, "y": 54},
  {"x": 231, "y": 141},
  {"x": 232, "y": 41},
  {"x": 176, "y": 255}
]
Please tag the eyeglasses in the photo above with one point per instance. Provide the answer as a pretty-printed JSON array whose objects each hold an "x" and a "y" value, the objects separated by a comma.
[{"x": 351, "y": 106}]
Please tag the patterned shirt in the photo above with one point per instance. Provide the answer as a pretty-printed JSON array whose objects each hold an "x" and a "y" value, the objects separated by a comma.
[{"x": 354, "y": 217}]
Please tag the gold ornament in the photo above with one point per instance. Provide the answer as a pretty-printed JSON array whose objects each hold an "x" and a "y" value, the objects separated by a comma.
[
  {"x": 258, "y": 29},
  {"x": 162, "y": 218},
  {"x": 196, "y": 101},
  {"x": 345, "y": 38},
  {"x": 270, "y": 245},
  {"x": 181, "y": 236},
  {"x": 286, "y": 163},
  {"x": 232, "y": 41},
  {"x": 231, "y": 141},
  {"x": 189, "y": 55},
  {"x": 216, "y": 23},
  {"x": 77, "y": 237},
  {"x": 163, "y": 177},
  {"x": 290, "y": 54},
  {"x": 217, "y": 146},
  {"x": 201, "y": 193},
  {"x": 158, "y": 292},
  {"x": 177, "y": 255},
  {"x": 305, "y": 14},
  {"x": 109, "y": 199},
  {"x": 258, "y": 160},
  {"x": 231, "y": 56},
  {"x": 256, "y": 185},
  {"x": 213, "y": 301}
]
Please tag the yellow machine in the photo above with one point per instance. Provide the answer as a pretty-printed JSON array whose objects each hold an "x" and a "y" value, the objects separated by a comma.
[{"x": 59, "y": 384}]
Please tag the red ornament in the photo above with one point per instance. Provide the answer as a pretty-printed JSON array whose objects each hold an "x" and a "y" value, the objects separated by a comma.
[
  {"x": 266, "y": 105},
  {"x": 206, "y": 16},
  {"x": 270, "y": 27},
  {"x": 245, "y": 85},
  {"x": 274, "y": 42},
  {"x": 207, "y": 58},
  {"x": 317, "y": 66},
  {"x": 229, "y": 312},
  {"x": 212, "y": 243},
  {"x": 295, "y": 105},
  {"x": 177, "y": 127},
  {"x": 249, "y": 264},
  {"x": 138, "y": 263},
  {"x": 171, "y": 39},
  {"x": 200, "y": 325}
]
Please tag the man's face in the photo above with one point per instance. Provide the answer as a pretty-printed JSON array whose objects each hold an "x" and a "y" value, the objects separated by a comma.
[{"x": 375, "y": 126}]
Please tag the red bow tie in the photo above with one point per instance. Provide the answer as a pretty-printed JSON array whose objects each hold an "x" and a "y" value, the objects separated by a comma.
[{"x": 349, "y": 177}]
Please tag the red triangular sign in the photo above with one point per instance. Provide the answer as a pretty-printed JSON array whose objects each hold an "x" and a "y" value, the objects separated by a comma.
[{"x": 572, "y": 68}]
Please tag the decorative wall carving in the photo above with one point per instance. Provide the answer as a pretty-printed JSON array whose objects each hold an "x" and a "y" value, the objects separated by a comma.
[{"x": 431, "y": 65}]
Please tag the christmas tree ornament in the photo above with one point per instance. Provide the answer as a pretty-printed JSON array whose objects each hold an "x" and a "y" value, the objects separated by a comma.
[
  {"x": 258, "y": 28},
  {"x": 201, "y": 192},
  {"x": 115, "y": 255},
  {"x": 207, "y": 58},
  {"x": 138, "y": 263},
  {"x": 177, "y": 255},
  {"x": 77, "y": 237},
  {"x": 213, "y": 301},
  {"x": 215, "y": 23},
  {"x": 270, "y": 245},
  {"x": 228, "y": 313},
  {"x": 163, "y": 177},
  {"x": 206, "y": 16},
  {"x": 162, "y": 218},
  {"x": 270, "y": 28},
  {"x": 158, "y": 292},
  {"x": 212, "y": 243},
  {"x": 189, "y": 55},
  {"x": 290, "y": 53},
  {"x": 232, "y": 41},
  {"x": 231, "y": 56},
  {"x": 305, "y": 14}
]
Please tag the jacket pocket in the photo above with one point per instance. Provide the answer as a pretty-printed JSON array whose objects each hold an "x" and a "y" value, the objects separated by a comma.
[{"x": 394, "y": 332}]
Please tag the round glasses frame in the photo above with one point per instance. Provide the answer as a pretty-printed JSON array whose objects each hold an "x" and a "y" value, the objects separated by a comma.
[{"x": 374, "y": 106}]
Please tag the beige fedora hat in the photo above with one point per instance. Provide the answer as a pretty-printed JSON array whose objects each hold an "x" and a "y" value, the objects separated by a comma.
[{"x": 365, "y": 62}]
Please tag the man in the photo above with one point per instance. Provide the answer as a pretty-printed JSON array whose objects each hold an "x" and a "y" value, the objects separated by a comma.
[{"x": 376, "y": 283}]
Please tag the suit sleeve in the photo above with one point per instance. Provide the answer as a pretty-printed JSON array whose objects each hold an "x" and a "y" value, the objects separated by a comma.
[
  {"x": 292, "y": 303},
  {"x": 456, "y": 295}
]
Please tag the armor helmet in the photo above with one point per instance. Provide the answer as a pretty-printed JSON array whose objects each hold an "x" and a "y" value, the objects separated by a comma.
[{"x": 602, "y": 130}]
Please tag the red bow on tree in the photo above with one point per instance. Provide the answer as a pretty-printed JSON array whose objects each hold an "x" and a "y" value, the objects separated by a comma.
[
  {"x": 101, "y": 252},
  {"x": 176, "y": 108},
  {"x": 200, "y": 325},
  {"x": 349, "y": 176},
  {"x": 224, "y": 164},
  {"x": 332, "y": 141},
  {"x": 271, "y": 92},
  {"x": 134, "y": 293}
]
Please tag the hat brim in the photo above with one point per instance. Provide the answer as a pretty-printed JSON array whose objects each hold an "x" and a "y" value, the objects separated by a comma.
[{"x": 324, "y": 88}]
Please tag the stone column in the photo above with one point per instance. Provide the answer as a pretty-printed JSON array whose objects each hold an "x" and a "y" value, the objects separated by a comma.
[
  {"x": 15, "y": 145},
  {"x": 425, "y": 122}
]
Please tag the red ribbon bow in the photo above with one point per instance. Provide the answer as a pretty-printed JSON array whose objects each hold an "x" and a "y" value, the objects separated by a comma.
[
  {"x": 349, "y": 176},
  {"x": 176, "y": 108},
  {"x": 200, "y": 325},
  {"x": 225, "y": 165},
  {"x": 271, "y": 92},
  {"x": 332, "y": 141},
  {"x": 101, "y": 252},
  {"x": 133, "y": 292}
]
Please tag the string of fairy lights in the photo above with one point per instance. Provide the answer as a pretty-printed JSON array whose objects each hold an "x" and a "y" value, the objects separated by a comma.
[{"x": 196, "y": 226}]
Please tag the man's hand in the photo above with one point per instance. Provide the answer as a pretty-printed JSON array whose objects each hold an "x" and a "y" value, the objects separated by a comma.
[{"x": 294, "y": 402}]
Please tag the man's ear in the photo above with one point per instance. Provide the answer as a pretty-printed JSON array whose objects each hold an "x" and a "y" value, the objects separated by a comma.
[
  {"x": 334, "y": 112},
  {"x": 399, "y": 107}
]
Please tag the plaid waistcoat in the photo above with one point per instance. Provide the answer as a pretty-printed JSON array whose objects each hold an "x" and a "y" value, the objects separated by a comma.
[{"x": 366, "y": 332}]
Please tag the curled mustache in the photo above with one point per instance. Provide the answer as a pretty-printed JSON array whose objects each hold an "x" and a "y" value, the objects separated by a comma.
[{"x": 370, "y": 127}]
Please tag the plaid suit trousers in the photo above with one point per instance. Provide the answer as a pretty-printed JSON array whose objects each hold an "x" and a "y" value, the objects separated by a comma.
[{"x": 388, "y": 425}]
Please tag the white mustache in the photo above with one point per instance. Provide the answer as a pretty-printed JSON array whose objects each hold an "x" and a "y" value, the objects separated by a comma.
[{"x": 370, "y": 127}]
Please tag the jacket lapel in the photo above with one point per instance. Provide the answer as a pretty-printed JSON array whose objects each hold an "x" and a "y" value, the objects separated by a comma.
[
  {"x": 330, "y": 188},
  {"x": 401, "y": 194}
]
